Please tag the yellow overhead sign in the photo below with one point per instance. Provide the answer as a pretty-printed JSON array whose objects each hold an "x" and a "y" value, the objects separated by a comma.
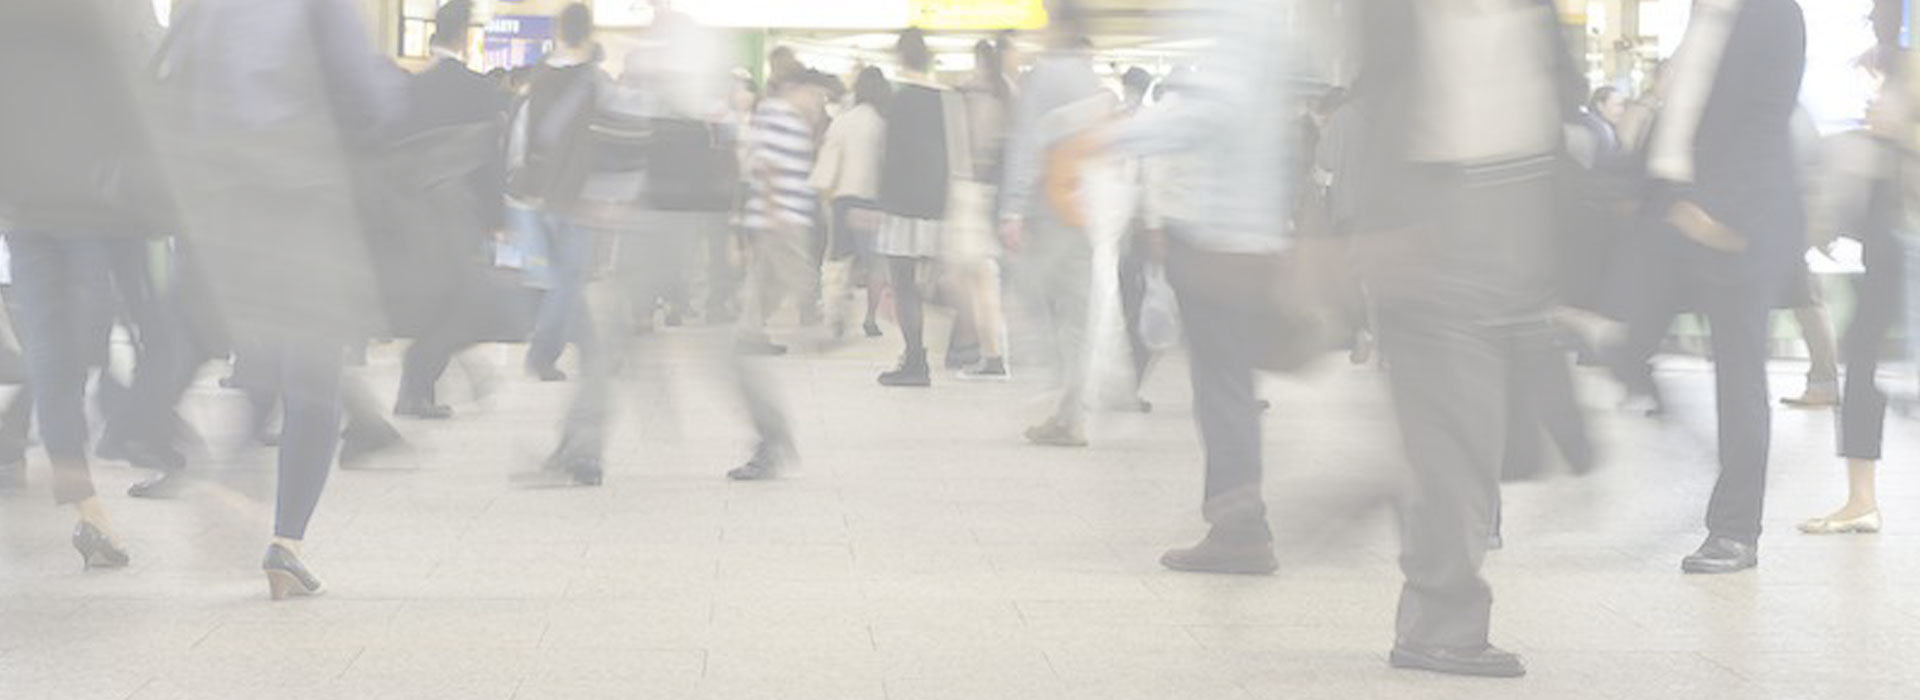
[{"x": 979, "y": 14}]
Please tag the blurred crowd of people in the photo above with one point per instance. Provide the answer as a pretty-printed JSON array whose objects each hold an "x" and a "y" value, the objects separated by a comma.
[{"x": 259, "y": 187}]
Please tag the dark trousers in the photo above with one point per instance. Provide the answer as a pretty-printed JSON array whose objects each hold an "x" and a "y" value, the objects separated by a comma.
[
  {"x": 307, "y": 374},
  {"x": 460, "y": 323},
  {"x": 1736, "y": 293},
  {"x": 1223, "y": 342},
  {"x": 63, "y": 299},
  {"x": 1863, "y": 406},
  {"x": 169, "y": 353},
  {"x": 1454, "y": 297}
]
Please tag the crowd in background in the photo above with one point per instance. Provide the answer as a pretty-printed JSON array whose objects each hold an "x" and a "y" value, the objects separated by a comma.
[{"x": 263, "y": 190}]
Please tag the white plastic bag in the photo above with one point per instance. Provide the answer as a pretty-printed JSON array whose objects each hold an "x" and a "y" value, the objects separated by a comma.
[{"x": 1159, "y": 312}]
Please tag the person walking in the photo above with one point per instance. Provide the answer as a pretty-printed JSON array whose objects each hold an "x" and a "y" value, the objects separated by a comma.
[
  {"x": 275, "y": 101},
  {"x": 548, "y": 165},
  {"x": 1042, "y": 217}
]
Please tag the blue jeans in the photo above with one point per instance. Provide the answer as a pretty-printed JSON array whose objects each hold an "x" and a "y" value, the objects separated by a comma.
[
  {"x": 64, "y": 300},
  {"x": 563, "y": 312}
]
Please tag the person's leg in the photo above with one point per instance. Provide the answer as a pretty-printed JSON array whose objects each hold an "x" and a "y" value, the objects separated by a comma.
[
  {"x": 787, "y": 265},
  {"x": 1863, "y": 408},
  {"x": 562, "y": 315},
  {"x": 311, "y": 381},
  {"x": 1448, "y": 378},
  {"x": 1069, "y": 288},
  {"x": 1222, "y": 336},
  {"x": 1823, "y": 371},
  {"x": 1739, "y": 315},
  {"x": 913, "y": 369},
  {"x": 1133, "y": 295},
  {"x": 51, "y": 277}
]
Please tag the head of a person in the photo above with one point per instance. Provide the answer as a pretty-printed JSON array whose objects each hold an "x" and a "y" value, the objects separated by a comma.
[
  {"x": 1608, "y": 103},
  {"x": 1066, "y": 25},
  {"x": 1136, "y": 82},
  {"x": 872, "y": 88},
  {"x": 782, "y": 64},
  {"x": 451, "y": 25},
  {"x": 913, "y": 51},
  {"x": 576, "y": 25},
  {"x": 810, "y": 91},
  {"x": 987, "y": 60}
]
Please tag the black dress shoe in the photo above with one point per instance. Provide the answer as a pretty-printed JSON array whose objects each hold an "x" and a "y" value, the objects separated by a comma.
[
  {"x": 287, "y": 576},
  {"x": 1213, "y": 556},
  {"x": 871, "y": 329},
  {"x": 421, "y": 407},
  {"x": 96, "y": 551},
  {"x": 1721, "y": 555},
  {"x": 547, "y": 374},
  {"x": 1487, "y": 661},
  {"x": 164, "y": 484}
]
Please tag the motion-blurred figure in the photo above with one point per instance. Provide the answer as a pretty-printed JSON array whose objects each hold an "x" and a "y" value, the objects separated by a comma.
[
  {"x": 449, "y": 178},
  {"x": 1727, "y": 187},
  {"x": 1042, "y": 213},
  {"x": 1222, "y": 200},
  {"x": 78, "y": 187},
  {"x": 273, "y": 101},
  {"x": 1464, "y": 102}
]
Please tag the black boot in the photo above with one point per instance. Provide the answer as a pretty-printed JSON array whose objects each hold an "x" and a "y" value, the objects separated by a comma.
[{"x": 913, "y": 371}]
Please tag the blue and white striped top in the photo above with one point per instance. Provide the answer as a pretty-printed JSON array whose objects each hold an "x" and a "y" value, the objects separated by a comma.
[{"x": 780, "y": 155}]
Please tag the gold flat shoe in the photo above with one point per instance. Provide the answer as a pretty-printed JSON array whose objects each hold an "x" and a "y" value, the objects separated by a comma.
[{"x": 1864, "y": 525}]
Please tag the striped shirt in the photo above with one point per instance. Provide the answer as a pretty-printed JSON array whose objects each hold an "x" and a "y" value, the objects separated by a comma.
[{"x": 780, "y": 155}]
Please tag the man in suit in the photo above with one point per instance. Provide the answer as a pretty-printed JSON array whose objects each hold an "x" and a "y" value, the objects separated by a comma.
[
  {"x": 446, "y": 96},
  {"x": 1727, "y": 183}
]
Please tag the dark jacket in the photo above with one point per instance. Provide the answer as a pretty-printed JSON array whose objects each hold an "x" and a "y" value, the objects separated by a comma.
[
  {"x": 449, "y": 94},
  {"x": 1746, "y": 173},
  {"x": 73, "y": 154},
  {"x": 430, "y": 243},
  {"x": 559, "y": 109},
  {"x": 914, "y": 172}
]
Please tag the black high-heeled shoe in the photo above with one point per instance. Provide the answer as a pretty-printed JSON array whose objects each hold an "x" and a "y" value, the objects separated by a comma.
[
  {"x": 286, "y": 576},
  {"x": 96, "y": 551}
]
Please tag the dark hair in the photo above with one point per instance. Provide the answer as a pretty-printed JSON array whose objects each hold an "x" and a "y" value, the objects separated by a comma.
[
  {"x": 992, "y": 65},
  {"x": 1136, "y": 79},
  {"x": 914, "y": 54},
  {"x": 814, "y": 78},
  {"x": 1068, "y": 23},
  {"x": 871, "y": 88},
  {"x": 1600, "y": 97},
  {"x": 451, "y": 24},
  {"x": 576, "y": 24}
]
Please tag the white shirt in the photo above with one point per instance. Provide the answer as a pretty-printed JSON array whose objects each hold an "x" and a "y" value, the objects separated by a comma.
[{"x": 849, "y": 163}]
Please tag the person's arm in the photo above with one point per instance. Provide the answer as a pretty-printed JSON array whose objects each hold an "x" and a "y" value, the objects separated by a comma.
[
  {"x": 827, "y": 168},
  {"x": 1024, "y": 158}
]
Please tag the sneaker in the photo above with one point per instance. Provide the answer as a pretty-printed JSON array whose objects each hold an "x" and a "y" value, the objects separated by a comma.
[{"x": 991, "y": 369}]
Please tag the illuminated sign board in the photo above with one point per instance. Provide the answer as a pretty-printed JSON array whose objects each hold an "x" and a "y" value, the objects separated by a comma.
[{"x": 979, "y": 14}]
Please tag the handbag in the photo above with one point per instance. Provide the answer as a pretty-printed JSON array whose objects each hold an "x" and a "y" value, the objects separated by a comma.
[{"x": 1295, "y": 295}]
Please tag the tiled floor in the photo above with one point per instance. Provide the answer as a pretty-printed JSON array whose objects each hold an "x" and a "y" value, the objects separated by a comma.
[{"x": 924, "y": 553}]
